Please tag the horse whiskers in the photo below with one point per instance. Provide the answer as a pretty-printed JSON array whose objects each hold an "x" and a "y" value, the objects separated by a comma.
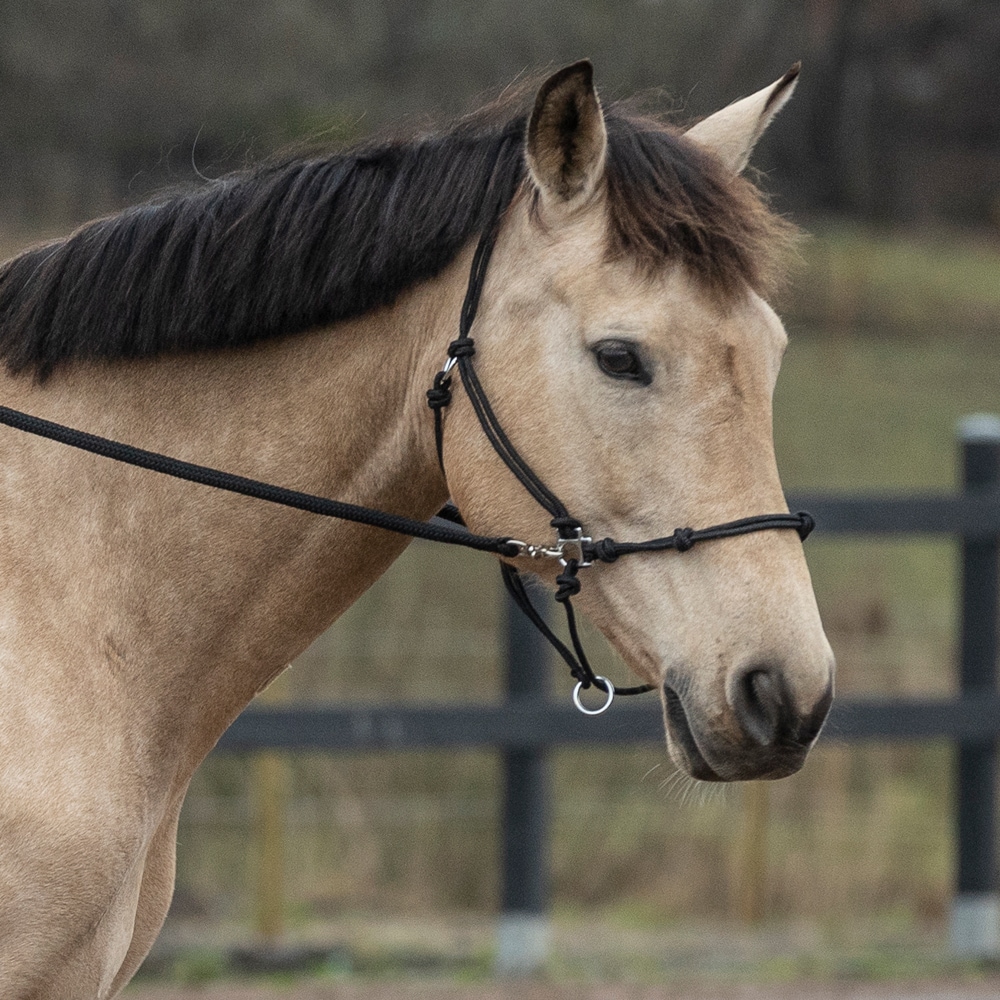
[
  {"x": 676, "y": 785},
  {"x": 650, "y": 771},
  {"x": 686, "y": 790},
  {"x": 713, "y": 792}
]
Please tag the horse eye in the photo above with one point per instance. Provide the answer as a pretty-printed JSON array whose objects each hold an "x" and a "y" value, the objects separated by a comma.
[{"x": 621, "y": 360}]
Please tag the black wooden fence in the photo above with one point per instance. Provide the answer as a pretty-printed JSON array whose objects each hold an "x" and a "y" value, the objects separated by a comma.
[{"x": 526, "y": 725}]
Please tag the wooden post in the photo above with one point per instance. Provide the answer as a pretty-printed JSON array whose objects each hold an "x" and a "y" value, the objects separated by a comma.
[
  {"x": 975, "y": 911},
  {"x": 751, "y": 857},
  {"x": 270, "y": 771}
]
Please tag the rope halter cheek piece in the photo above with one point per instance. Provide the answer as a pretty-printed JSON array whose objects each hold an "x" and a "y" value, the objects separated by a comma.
[{"x": 573, "y": 549}]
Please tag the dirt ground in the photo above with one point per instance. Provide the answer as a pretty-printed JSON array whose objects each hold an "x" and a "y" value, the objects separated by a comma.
[
  {"x": 378, "y": 958},
  {"x": 437, "y": 990}
]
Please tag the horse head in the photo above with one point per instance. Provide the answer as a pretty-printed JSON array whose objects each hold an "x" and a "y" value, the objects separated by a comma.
[{"x": 630, "y": 354}]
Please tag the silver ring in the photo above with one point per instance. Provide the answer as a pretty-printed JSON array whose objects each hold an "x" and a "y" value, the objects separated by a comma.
[{"x": 594, "y": 711}]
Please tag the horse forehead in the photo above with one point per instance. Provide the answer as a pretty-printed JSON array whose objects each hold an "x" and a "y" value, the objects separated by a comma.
[
  {"x": 670, "y": 301},
  {"x": 571, "y": 266},
  {"x": 573, "y": 269}
]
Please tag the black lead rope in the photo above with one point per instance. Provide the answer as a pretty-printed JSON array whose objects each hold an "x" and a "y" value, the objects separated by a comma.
[
  {"x": 254, "y": 488},
  {"x": 572, "y": 547}
]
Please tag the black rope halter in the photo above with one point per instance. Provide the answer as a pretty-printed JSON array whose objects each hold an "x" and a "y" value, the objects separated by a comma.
[{"x": 572, "y": 547}]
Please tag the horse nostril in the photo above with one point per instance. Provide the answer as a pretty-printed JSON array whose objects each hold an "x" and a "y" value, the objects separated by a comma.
[{"x": 761, "y": 705}]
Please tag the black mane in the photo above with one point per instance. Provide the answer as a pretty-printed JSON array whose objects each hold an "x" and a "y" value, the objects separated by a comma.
[{"x": 291, "y": 246}]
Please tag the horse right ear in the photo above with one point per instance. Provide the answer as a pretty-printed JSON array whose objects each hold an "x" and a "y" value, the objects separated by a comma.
[{"x": 567, "y": 141}]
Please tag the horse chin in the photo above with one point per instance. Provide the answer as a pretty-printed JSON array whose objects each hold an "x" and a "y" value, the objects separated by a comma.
[{"x": 681, "y": 743}]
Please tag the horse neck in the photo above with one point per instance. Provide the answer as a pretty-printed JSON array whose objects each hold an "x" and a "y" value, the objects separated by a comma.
[{"x": 206, "y": 591}]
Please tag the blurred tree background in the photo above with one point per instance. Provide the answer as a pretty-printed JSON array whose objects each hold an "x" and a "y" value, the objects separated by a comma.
[{"x": 897, "y": 117}]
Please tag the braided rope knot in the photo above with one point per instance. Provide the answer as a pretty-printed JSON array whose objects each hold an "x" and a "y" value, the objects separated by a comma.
[
  {"x": 683, "y": 539},
  {"x": 606, "y": 550},
  {"x": 568, "y": 527},
  {"x": 568, "y": 583},
  {"x": 464, "y": 347},
  {"x": 439, "y": 395}
]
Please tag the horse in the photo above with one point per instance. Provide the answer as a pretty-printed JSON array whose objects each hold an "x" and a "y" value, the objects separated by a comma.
[{"x": 284, "y": 322}]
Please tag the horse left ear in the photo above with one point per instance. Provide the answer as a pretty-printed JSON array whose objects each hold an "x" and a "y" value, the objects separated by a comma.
[
  {"x": 732, "y": 133},
  {"x": 566, "y": 140}
]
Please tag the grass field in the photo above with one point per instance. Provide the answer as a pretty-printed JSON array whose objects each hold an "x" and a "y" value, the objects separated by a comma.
[{"x": 934, "y": 280}]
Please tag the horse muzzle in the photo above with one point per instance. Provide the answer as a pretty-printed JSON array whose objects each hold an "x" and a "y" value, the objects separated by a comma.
[{"x": 761, "y": 732}]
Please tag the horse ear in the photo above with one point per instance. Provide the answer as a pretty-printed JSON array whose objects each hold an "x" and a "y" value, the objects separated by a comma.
[
  {"x": 732, "y": 132},
  {"x": 566, "y": 139}
]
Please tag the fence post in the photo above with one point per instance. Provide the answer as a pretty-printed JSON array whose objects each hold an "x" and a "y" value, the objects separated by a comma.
[
  {"x": 975, "y": 913},
  {"x": 751, "y": 874},
  {"x": 523, "y": 929},
  {"x": 270, "y": 778}
]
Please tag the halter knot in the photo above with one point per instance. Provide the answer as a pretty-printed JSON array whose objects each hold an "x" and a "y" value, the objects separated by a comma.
[
  {"x": 568, "y": 582},
  {"x": 440, "y": 394},
  {"x": 606, "y": 550},
  {"x": 464, "y": 347},
  {"x": 568, "y": 527},
  {"x": 806, "y": 524},
  {"x": 683, "y": 539}
]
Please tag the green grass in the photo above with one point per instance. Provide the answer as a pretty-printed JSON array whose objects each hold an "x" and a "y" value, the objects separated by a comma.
[
  {"x": 589, "y": 948},
  {"x": 898, "y": 281},
  {"x": 870, "y": 412}
]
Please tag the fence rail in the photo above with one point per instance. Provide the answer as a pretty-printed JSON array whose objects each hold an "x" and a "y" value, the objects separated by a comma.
[
  {"x": 527, "y": 725},
  {"x": 973, "y": 514},
  {"x": 510, "y": 726}
]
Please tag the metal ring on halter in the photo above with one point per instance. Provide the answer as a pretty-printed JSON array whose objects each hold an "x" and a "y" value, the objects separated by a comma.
[{"x": 594, "y": 711}]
